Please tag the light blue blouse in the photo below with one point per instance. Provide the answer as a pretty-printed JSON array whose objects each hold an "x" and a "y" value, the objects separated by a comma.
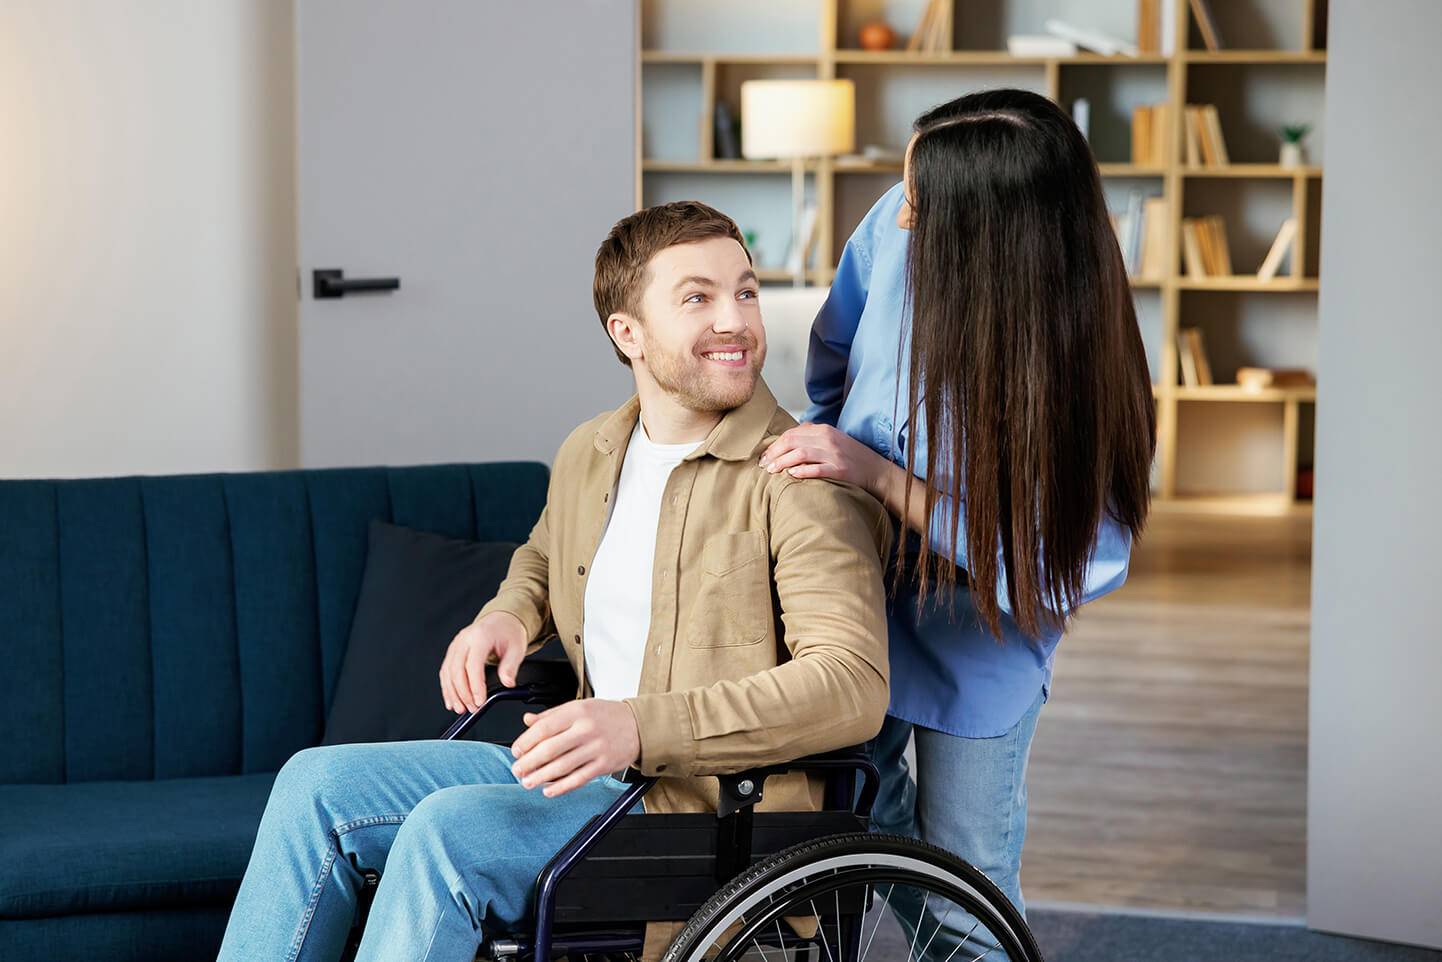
[{"x": 947, "y": 671}]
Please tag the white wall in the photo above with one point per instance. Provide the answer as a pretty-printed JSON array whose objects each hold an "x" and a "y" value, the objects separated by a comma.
[
  {"x": 1374, "y": 801},
  {"x": 147, "y": 239}
]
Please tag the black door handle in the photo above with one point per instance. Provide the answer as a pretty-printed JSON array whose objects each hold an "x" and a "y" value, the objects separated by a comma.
[{"x": 332, "y": 283}]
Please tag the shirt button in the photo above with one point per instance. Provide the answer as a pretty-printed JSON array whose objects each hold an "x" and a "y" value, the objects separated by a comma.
[
  {"x": 578, "y": 639},
  {"x": 605, "y": 497},
  {"x": 658, "y": 649},
  {"x": 580, "y": 569},
  {"x": 674, "y": 497},
  {"x": 663, "y": 574}
]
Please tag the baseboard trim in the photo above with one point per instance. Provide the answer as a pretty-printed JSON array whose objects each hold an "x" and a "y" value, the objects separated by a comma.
[{"x": 1182, "y": 915}]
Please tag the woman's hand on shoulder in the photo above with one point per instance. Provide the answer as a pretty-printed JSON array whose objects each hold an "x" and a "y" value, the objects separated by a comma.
[{"x": 821, "y": 451}]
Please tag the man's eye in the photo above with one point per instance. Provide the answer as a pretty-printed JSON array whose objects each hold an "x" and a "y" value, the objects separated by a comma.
[
  {"x": 694, "y": 299},
  {"x": 751, "y": 294}
]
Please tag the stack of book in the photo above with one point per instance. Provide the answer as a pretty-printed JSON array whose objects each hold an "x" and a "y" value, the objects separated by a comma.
[
  {"x": 1142, "y": 236},
  {"x": 1151, "y": 124},
  {"x": 1204, "y": 247},
  {"x": 1206, "y": 147},
  {"x": 933, "y": 31}
]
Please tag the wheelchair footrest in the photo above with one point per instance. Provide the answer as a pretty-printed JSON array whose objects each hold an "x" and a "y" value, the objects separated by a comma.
[{"x": 663, "y": 867}]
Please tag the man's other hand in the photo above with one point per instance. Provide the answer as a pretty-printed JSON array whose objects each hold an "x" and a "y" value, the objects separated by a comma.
[
  {"x": 463, "y": 672},
  {"x": 567, "y": 746}
]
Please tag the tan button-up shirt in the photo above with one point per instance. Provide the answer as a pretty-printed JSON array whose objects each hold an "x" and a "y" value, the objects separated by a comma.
[{"x": 767, "y": 636}]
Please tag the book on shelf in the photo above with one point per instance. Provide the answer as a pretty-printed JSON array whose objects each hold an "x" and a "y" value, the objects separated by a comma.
[
  {"x": 1193, "y": 137},
  {"x": 1129, "y": 232},
  {"x": 1191, "y": 352},
  {"x": 1206, "y": 24},
  {"x": 1149, "y": 26},
  {"x": 1039, "y": 45},
  {"x": 799, "y": 256},
  {"x": 1206, "y": 147},
  {"x": 1205, "y": 252},
  {"x": 727, "y": 147},
  {"x": 1090, "y": 39},
  {"x": 1081, "y": 115},
  {"x": 1213, "y": 126},
  {"x": 1283, "y": 243},
  {"x": 1153, "y": 264},
  {"x": 1168, "y": 28},
  {"x": 1192, "y": 258},
  {"x": 1261, "y": 378},
  {"x": 1151, "y": 125},
  {"x": 932, "y": 33},
  {"x": 1216, "y": 252}
]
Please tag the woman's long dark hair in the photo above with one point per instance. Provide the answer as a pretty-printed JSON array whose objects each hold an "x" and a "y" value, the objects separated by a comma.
[{"x": 1026, "y": 360}]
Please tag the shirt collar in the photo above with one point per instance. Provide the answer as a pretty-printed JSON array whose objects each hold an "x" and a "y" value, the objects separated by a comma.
[{"x": 735, "y": 438}]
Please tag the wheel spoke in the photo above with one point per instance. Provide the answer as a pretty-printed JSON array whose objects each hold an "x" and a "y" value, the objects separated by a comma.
[
  {"x": 916, "y": 929},
  {"x": 940, "y": 924},
  {"x": 880, "y": 917},
  {"x": 821, "y": 931},
  {"x": 963, "y": 942}
]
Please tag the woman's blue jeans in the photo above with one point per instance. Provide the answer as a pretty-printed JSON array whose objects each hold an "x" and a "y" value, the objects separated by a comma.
[
  {"x": 457, "y": 840},
  {"x": 968, "y": 796}
]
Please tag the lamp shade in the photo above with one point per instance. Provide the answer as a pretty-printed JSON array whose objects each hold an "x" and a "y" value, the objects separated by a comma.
[{"x": 797, "y": 118}]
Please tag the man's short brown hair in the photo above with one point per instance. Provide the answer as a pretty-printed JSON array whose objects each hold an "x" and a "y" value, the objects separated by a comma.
[{"x": 621, "y": 262}]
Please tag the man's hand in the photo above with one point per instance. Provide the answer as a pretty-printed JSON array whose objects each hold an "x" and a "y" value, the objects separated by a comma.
[
  {"x": 463, "y": 672},
  {"x": 567, "y": 746}
]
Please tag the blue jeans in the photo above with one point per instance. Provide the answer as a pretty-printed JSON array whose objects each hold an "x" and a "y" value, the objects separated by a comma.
[
  {"x": 968, "y": 796},
  {"x": 457, "y": 840}
]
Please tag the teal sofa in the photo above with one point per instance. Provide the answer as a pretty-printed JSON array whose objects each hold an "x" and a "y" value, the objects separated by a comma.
[{"x": 166, "y": 643}]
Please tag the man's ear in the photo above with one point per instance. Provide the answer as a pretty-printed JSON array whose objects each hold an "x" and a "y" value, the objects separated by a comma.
[{"x": 625, "y": 331}]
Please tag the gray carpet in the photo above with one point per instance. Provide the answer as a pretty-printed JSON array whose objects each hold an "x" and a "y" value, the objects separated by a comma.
[{"x": 1079, "y": 937}]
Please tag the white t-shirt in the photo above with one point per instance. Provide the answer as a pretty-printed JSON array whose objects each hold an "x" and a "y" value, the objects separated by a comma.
[{"x": 617, "y": 608}]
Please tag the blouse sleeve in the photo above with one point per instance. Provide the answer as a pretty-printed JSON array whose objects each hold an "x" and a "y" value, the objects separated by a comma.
[{"x": 833, "y": 331}]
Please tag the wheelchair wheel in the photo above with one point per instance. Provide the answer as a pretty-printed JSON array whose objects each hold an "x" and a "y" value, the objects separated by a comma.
[{"x": 854, "y": 898}]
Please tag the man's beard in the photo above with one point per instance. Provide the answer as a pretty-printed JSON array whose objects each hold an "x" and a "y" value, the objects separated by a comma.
[{"x": 690, "y": 386}]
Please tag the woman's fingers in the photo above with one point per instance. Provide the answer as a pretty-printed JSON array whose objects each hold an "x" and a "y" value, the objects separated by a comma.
[{"x": 799, "y": 435}]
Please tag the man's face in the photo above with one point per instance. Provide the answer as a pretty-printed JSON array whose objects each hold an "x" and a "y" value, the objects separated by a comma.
[{"x": 700, "y": 332}]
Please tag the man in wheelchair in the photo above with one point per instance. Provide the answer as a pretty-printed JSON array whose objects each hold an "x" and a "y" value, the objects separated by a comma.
[{"x": 719, "y": 617}]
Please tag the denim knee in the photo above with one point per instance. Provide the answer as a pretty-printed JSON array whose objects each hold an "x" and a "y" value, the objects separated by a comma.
[{"x": 311, "y": 774}]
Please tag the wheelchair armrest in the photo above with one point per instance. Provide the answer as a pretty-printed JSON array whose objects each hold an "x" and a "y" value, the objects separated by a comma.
[
  {"x": 544, "y": 682},
  {"x": 744, "y": 789}
]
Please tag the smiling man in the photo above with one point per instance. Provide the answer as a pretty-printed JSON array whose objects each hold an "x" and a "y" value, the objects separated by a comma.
[{"x": 720, "y": 617}]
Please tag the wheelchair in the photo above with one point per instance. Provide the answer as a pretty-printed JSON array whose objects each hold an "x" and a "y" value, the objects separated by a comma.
[{"x": 752, "y": 886}]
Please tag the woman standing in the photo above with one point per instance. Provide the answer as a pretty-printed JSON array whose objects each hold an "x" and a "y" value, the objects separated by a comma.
[{"x": 978, "y": 368}]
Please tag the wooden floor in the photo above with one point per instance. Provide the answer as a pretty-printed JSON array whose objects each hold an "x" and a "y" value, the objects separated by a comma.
[{"x": 1169, "y": 768}]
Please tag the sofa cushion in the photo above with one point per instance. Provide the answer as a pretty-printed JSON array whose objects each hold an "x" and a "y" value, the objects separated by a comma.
[
  {"x": 418, "y": 590},
  {"x": 117, "y": 846}
]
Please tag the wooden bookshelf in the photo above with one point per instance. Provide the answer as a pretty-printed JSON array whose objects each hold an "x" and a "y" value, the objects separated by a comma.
[{"x": 690, "y": 60}]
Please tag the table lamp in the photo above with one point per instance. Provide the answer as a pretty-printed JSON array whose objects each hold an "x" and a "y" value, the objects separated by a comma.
[{"x": 797, "y": 119}]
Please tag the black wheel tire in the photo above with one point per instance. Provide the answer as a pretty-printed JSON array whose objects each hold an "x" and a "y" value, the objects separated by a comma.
[{"x": 858, "y": 857}]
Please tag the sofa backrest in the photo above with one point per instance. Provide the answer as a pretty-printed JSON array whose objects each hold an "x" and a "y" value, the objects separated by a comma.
[{"x": 167, "y": 627}]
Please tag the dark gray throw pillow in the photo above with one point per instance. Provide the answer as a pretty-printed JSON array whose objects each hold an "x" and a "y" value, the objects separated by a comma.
[{"x": 418, "y": 590}]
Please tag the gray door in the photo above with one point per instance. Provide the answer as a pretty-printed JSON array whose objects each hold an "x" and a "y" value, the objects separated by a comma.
[{"x": 478, "y": 150}]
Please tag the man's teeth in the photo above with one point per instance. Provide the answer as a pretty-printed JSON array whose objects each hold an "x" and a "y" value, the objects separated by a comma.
[{"x": 722, "y": 355}]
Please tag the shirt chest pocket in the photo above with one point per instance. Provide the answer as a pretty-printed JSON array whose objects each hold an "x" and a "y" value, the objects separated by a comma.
[{"x": 733, "y": 605}]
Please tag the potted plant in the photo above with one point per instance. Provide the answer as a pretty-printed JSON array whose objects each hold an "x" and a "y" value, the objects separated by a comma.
[{"x": 1292, "y": 135}]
